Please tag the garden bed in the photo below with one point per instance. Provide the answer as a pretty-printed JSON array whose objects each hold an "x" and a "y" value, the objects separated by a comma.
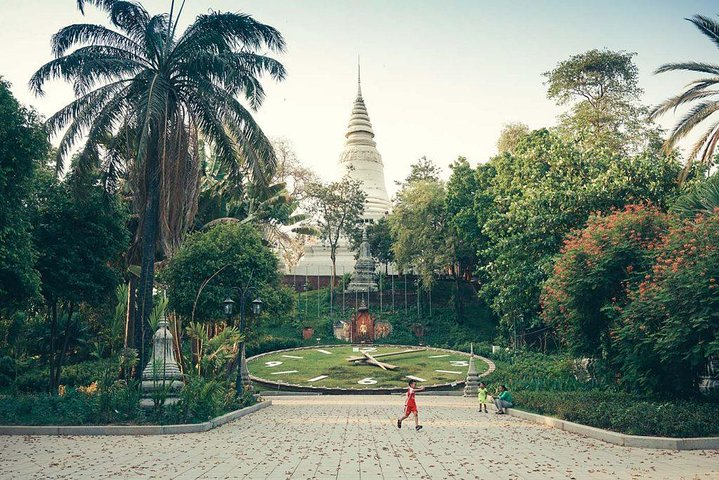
[{"x": 626, "y": 413}]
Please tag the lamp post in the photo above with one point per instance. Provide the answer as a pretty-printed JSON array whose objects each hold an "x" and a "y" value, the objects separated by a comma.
[{"x": 243, "y": 375}]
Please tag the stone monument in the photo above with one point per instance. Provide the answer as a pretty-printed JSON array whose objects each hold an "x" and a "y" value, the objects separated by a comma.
[
  {"x": 361, "y": 160},
  {"x": 471, "y": 386},
  {"x": 162, "y": 375},
  {"x": 363, "y": 278}
]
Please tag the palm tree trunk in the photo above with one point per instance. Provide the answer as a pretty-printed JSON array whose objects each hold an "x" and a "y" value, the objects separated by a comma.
[{"x": 147, "y": 270}]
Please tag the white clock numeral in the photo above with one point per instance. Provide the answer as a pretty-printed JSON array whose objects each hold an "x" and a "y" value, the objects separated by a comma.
[
  {"x": 367, "y": 381},
  {"x": 459, "y": 363},
  {"x": 274, "y": 363}
]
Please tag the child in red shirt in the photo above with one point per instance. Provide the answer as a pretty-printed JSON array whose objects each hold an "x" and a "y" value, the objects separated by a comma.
[{"x": 410, "y": 406}]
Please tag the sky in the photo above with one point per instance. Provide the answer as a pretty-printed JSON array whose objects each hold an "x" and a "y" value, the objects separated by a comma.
[{"x": 439, "y": 78}]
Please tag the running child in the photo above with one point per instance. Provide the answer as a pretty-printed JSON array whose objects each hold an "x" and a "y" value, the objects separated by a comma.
[{"x": 410, "y": 406}]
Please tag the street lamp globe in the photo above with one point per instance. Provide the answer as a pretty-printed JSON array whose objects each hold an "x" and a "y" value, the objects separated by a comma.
[
  {"x": 228, "y": 306},
  {"x": 256, "y": 306}
]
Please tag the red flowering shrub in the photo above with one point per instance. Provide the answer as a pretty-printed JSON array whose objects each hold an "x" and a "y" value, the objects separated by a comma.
[
  {"x": 671, "y": 323},
  {"x": 593, "y": 273}
]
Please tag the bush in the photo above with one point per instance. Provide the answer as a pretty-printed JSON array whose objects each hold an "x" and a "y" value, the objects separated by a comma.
[
  {"x": 670, "y": 327},
  {"x": 528, "y": 371},
  {"x": 625, "y": 413},
  {"x": 594, "y": 271},
  {"x": 36, "y": 379},
  {"x": 200, "y": 400}
]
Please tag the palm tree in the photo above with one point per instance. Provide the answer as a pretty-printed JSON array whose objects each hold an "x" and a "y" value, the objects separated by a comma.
[
  {"x": 225, "y": 199},
  {"x": 702, "y": 95},
  {"x": 162, "y": 91}
]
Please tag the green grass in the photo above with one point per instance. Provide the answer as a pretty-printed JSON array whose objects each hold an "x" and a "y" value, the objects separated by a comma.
[{"x": 346, "y": 374}]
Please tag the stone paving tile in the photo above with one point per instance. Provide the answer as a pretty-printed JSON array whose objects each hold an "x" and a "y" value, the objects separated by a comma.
[{"x": 352, "y": 437}]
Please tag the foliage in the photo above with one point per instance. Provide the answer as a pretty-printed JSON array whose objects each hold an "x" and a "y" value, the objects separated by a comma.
[
  {"x": 464, "y": 233},
  {"x": 700, "y": 94},
  {"x": 524, "y": 371},
  {"x": 668, "y": 330},
  {"x": 602, "y": 86},
  {"x": 596, "y": 268},
  {"x": 226, "y": 198},
  {"x": 213, "y": 355},
  {"x": 213, "y": 262},
  {"x": 23, "y": 145},
  {"x": 418, "y": 224},
  {"x": 156, "y": 92},
  {"x": 202, "y": 399},
  {"x": 624, "y": 413},
  {"x": 337, "y": 208},
  {"x": 701, "y": 198},
  {"x": 424, "y": 169},
  {"x": 541, "y": 193},
  {"x": 510, "y": 136},
  {"x": 118, "y": 403},
  {"x": 79, "y": 238}
]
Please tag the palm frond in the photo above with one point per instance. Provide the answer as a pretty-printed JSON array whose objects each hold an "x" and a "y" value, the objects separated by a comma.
[
  {"x": 689, "y": 66},
  {"x": 707, "y": 26}
]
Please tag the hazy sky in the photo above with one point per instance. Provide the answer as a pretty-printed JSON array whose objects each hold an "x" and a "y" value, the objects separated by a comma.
[{"x": 439, "y": 78}]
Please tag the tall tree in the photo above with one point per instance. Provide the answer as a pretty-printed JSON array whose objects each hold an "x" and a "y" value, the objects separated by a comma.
[
  {"x": 422, "y": 169},
  {"x": 701, "y": 95},
  {"x": 163, "y": 90},
  {"x": 23, "y": 145},
  {"x": 80, "y": 235},
  {"x": 602, "y": 88},
  {"x": 419, "y": 229},
  {"x": 337, "y": 208}
]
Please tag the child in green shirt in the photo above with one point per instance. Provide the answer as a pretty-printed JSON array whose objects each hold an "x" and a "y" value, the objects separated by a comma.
[{"x": 482, "y": 395}]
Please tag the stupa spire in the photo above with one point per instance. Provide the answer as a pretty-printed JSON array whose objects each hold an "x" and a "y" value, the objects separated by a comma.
[{"x": 361, "y": 158}]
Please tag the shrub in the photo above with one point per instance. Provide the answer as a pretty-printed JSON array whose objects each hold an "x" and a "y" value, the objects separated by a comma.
[
  {"x": 624, "y": 413},
  {"x": 593, "y": 273},
  {"x": 528, "y": 371},
  {"x": 670, "y": 327}
]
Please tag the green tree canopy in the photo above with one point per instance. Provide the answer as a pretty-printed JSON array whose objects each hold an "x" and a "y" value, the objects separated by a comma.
[
  {"x": 23, "y": 146},
  {"x": 80, "y": 236},
  {"x": 670, "y": 327},
  {"x": 540, "y": 194},
  {"x": 419, "y": 229},
  {"x": 510, "y": 136},
  {"x": 464, "y": 234},
  {"x": 602, "y": 88},
  {"x": 212, "y": 263}
]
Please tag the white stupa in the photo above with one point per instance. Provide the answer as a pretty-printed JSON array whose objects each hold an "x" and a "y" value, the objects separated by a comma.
[{"x": 363, "y": 162}]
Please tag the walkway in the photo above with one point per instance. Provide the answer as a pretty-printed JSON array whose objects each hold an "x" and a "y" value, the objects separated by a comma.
[{"x": 352, "y": 437}]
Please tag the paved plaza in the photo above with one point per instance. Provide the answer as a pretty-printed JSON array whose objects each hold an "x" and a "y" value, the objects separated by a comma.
[{"x": 348, "y": 437}]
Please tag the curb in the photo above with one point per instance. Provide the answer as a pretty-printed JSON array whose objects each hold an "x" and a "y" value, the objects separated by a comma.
[
  {"x": 621, "y": 439},
  {"x": 132, "y": 429}
]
